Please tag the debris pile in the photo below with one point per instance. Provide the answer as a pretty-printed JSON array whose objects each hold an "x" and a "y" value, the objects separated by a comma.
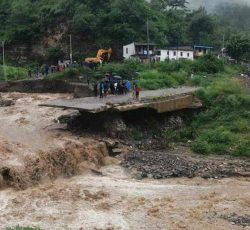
[
  {"x": 161, "y": 165},
  {"x": 238, "y": 220},
  {"x": 114, "y": 147}
]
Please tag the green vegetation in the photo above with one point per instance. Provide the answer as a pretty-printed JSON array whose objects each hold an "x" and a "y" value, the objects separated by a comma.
[
  {"x": 167, "y": 74},
  {"x": 113, "y": 23},
  {"x": 239, "y": 47},
  {"x": 154, "y": 79},
  {"x": 224, "y": 126},
  {"x": 127, "y": 69},
  {"x": 70, "y": 74},
  {"x": 13, "y": 73}
]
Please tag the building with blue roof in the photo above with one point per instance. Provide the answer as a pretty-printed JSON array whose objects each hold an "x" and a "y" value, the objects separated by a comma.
[{"x": 200, "y": 51}]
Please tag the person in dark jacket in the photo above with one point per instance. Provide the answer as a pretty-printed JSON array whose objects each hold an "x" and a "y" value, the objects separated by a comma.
[
  {"x": 106, "y": 88},
  {"x": 46, "y": 68},
  {"x": 112, "y": 88},
  {"x": 96, "y": 89},
  {"x": 101, "y": 89}
]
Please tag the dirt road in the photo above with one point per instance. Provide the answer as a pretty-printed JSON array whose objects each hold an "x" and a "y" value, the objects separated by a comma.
[{"x": 109, "y": 201}]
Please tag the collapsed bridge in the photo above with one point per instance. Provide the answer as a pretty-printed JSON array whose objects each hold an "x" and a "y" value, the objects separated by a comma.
[{"x": 162, "y": 100}]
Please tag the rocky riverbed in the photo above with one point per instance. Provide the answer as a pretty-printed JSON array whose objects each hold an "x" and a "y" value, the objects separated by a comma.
[{"x": 182, "y": 163}]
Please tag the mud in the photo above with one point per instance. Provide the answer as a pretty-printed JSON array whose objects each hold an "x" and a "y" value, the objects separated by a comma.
[
  {"x": 131, "y": 127},
  {"x": 182, "y": 163}
]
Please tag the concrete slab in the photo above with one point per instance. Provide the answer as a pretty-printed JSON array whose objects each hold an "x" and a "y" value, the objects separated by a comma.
[{"x": 169, "y": 99}]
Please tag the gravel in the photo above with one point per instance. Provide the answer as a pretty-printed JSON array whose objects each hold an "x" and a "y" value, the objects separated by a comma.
[
  {"x": 159, "y": 165},
  {"x": 238, "y": 220}
]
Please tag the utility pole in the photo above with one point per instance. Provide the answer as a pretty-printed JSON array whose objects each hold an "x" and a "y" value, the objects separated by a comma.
[
  {"x": 4, "y": 70},
  {"x": 148, "y": 41},
  {"x": 71, "y": 52},
  {"x": 223, "y": 41},
  {"x": 223, "y": 46},
  {"x": 177, "y": 45}
]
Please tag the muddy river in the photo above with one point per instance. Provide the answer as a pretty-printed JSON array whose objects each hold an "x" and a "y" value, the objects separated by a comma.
[{"x": 54, "y": 179}]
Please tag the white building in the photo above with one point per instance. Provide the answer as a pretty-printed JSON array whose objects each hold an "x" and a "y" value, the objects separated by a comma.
[
  {"x": 175, "y": 53},
  {"x": 138, "y": 50}
]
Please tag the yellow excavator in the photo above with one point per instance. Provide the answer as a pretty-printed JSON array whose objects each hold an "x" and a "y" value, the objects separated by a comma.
[{"x": 99, "y": 56}]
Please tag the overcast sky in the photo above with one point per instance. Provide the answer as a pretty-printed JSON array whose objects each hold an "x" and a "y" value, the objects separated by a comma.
[{"x": 210, "y": 4}]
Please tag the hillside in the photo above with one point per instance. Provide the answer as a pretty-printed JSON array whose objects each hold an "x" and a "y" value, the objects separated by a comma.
[{"x": 39, "y": 30}]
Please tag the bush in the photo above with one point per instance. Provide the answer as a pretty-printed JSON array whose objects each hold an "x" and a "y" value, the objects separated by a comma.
[
  {"x": 174, "y": 66},
  {"x": 239, "y": 125},
  {"x": 201, "y": 146},
  {"x": 219, "y": 90},
  {"x": 13, "y": 73},
  {"x": 128, "y": 70},
  {"x": 71, "y": 73},
  {"x": 222, "y": 128},
  {"x": 217, "y": 140},
  {"x": 218, "y": 136},
  {"x": 243, "y": 149},
  {"x": 54, "y": 54},
  {"x": 209, "y": 64},
  {"x": 153, "y": 79},
  {"x": 180, "y": 77}
]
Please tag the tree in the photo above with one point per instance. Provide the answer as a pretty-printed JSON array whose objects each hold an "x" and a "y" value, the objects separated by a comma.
[
  {"x": 164, "y": 4},
  {"x": 238, "y": 47},
  {"x": 234, "y": 16},
  {"x": 201, "y": 26},
  {"x": 177, "y": 3},
  {"x": 55, "y": 53},
  {"x": 104, "y": 23},
  {"x": 22, "y": 21}
]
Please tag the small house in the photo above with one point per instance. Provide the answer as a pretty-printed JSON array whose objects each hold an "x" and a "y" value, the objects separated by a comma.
[
  {"x": 200, "y": 51},
  {"x": 175, "y": 53},
  {"x": 139, "y": 50}
]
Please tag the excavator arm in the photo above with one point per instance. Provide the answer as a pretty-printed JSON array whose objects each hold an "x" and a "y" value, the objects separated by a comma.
[{"x": 99, "y": 56}]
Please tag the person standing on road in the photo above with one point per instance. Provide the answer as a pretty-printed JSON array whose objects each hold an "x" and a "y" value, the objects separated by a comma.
[
  {"x": 112, "y": 88},
  {"x": 137, "y": 90},
  {"x": 115, "y": 86},
  {"x": 46, "y": 70},
  {"x": 29, "y": 73},
  {"x": 101, "y": 89},
  {"x": 106, "y": 88},
  {"x": 37, "y": 72},
  {"x": 96, "y": 89}
]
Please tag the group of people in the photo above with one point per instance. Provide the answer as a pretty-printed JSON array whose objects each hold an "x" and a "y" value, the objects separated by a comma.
[
  {"x": 45, "y": 69},
  {"x": 104, "y": 88}
]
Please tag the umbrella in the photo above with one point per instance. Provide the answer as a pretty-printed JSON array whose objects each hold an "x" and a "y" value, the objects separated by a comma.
[{"x": 117, "y": 77}]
